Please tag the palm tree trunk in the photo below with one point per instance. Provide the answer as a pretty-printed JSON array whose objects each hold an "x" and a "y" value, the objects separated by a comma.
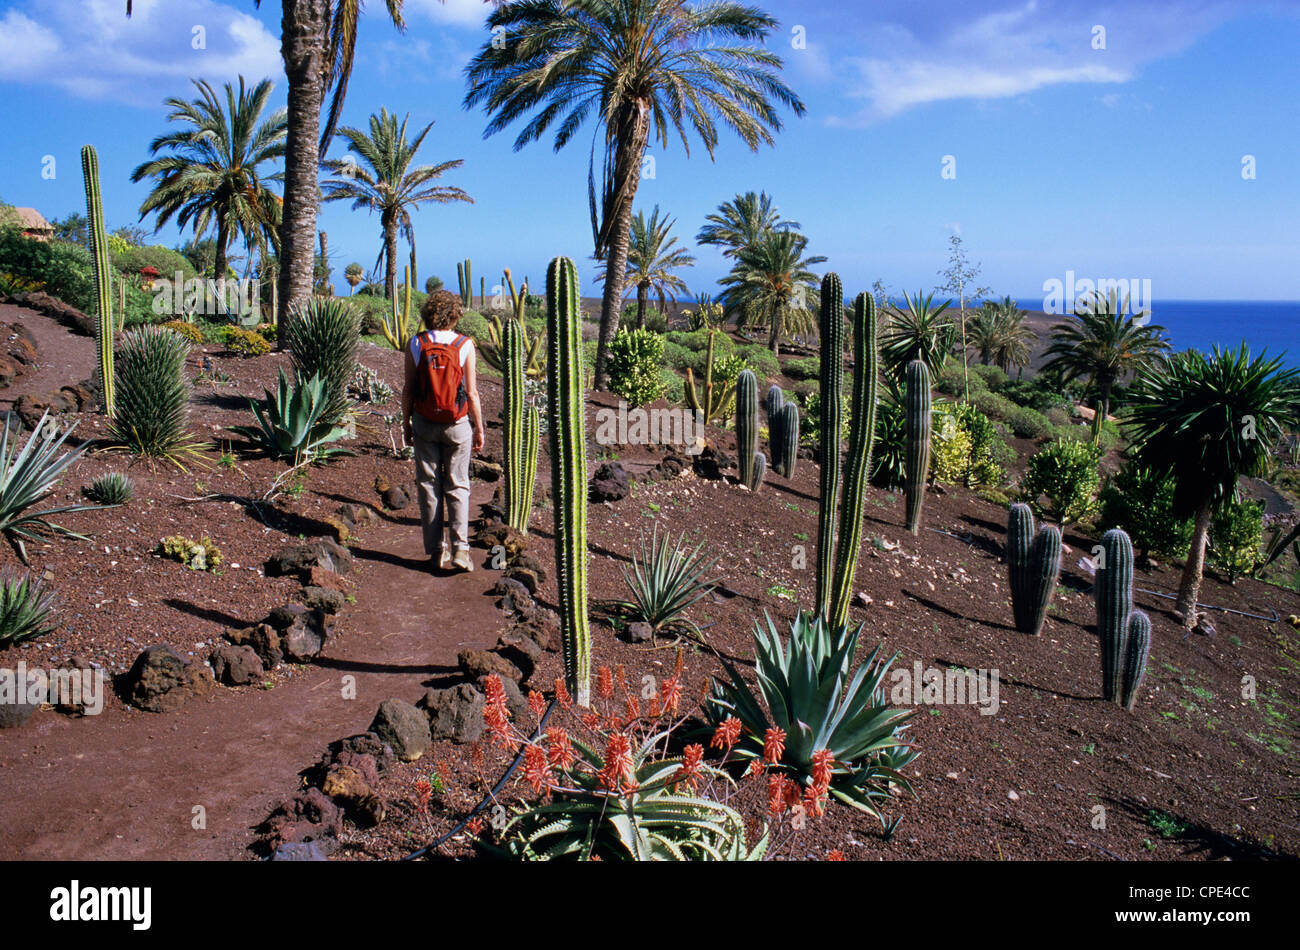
[
  {"x": 223, "y": 238},
  {"x": 302, "y": 46},
  {"x": 632, "y": 134},
  {"x": 774, "y": 338},
  {"x": 1189, "y": 587},
  {"x": 642, "y": 295},
  {"x": 390, "y": 258}
]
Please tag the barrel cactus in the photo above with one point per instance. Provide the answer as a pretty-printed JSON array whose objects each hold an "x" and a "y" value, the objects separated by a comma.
[
  {"x": 751, "y": 471},
  {"x": 1033, "y": 566},
  {"x": 917, "y": 458},
  {"x": 1135, "y": 658},
  {"x": 564, "y": 378}
]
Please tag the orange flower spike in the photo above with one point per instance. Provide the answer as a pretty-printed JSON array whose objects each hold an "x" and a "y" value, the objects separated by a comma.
[
  {"x": 474, "y": 826},
  {"x": 559, "y": 751},
  {"x": 672, "y": 693},
  {"x": 656, "y": 707},
  {"x": 604, "y": 683},
  {"x": 633, "y": 709},
  {"x": 725, "y": 736},
  {"x": 537, "y": 703},
  {"x": 812, "y": 801},
  {"x": 756, "y": 769},
  {"x": 537, "y": 768},
  {"x": 688, "y": 772},
  {"x": 620, "y": 674},
  {"x": 836, "y": 855},
  {"x": 591, "y": 720},
  {"x": 823, "y": 763},
  {"x": 562, "y": 694},
  {"x": 423, "y": 794},
  {"x": 774, "y": 745},
  {"x": 776, "y": 796}
]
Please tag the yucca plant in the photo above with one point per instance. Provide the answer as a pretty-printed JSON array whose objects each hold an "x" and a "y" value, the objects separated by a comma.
[
  {"x": 321, "y": 334},
  {"x": 28, "y": 475},
  {"x": 813, "y": 694},
  {"x": 652, "y": 816},
  {"x": 666, "y": 580},
  {"x": 153, "y": 396},
  {"x": 26, "y": 606},
  {"x": 291, "y": 422},
  {"x": 111, "y": 490}
]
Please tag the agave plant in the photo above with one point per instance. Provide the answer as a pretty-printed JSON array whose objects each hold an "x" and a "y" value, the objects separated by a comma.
[
  {"x": 151, "y": 415},
  {"x": 812, "y": 693},
  {"x": 291, "y": 424},
  {"x": 25, "y": 609},
  {"x": 28, "y": 475},
  {"x": 651, "y": 816},
  {"x": 666, "y": 580},
  {"x": 111, "y": 490}
]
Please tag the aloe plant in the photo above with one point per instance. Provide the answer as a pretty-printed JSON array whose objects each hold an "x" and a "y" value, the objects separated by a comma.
[
  {"x": 809, "y": 688},
  {"x": 291, "y": 422},
  {"x": 27, "y": 476},
  {"x": 667, "y": 580}
]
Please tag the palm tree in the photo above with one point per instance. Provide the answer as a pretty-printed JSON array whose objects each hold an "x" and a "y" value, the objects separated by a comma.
[
  {"x": 641, "y": 69},
  {"x": 1208, "y": 421},
  {"x": 741, "y": 221},
  {"x": 1105, "y": 345},
  {"x": 317, "y": 41},
  {"x": 212, "y": 170},
  {"x": 921, "y": 332},
  {"x": 387, "y": 183},
  {"x": 651, "y": 260},
  {"x": 353, "y": 274},
  {"x": 999, "y": 335},
  {"x": 772, "y": 276}
]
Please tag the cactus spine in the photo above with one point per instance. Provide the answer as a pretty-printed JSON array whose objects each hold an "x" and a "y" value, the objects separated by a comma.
[
  {"x": 99, "y": 258},
  {"x": 564, "y": 385},
  {"x": 785, "y": 440},
  {"x": 716, "y": 399},
  {"x": 918, "y": 441},
  {"x": 862, "y": 434},
  {"x": 1114, "y": 594},
  {"x": 521, "y": 424},
  {"x": 751, "y": 469},
  {"x": 831, "y": 425},
  {"x": 1033, "y": 565},
  {"x": 1135, "y": 658}
]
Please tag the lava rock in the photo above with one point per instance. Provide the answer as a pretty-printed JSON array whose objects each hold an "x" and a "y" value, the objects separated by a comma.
[
  {"x": 520, "y": 650},
  {"x": 349, "y": 788},
  {"x": 299, "y": 559},
  {"x": 610, "y": 483},
  {"x": 15, "y": 710},
  {"x": 395, "y": 498},
  {"x": 456, "y": 713},
  {"x": 363, "y": 743},
  {"x": 525, "y": 577},
  {"x": 66, "y": 314},
  {"x": 298, "y": 851},
  {"x": 162, "y": 680},
  {"x": 712, "y": 462},
  {"x": 494, "y": 534},
  {"x": 236, "y": 665},
  {"x": 640, "y": 632},
  {"x": 306, "y": 633},
  {"x": 324, "y": 599},
  {"x": 403, "y": 727},
  {"x": 265, "y": 641},
  {"x": 476, "y": 663},
  {"x": 485, "y": 471},
  {"x": 543, "y": 629}
]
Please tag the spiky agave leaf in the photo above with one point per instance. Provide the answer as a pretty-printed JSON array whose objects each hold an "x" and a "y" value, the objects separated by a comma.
[
  {"x": 28, "y": 475},
  {"x": 25, "y": 609},
  {"x": 321, "y": 334},
  {"x": 666, "y": 581},
  {"x": 290, "y": 422},
  {"x": 152, "y": 414}
]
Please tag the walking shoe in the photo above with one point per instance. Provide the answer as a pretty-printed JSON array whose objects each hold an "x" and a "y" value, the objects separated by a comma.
[
  {"x": 443, "y": 560},
  {"x": 462, "y": 561}
]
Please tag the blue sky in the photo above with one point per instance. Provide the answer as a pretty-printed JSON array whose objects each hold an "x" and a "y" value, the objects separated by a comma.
[{"x": 1123, "y": 162}]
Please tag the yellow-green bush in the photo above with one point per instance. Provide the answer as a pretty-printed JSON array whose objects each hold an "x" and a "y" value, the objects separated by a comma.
[
  {"x": 187, "y": 330},
  {"x": 950, "y": 446},
  {"x": 245, "y": 343}
]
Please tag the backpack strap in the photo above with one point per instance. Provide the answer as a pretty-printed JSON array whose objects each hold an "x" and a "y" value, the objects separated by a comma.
[{"x": 460, "y": 340}]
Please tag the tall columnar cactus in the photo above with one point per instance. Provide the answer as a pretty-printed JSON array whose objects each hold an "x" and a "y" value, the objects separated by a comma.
[
  {"x": 830, "y": 425},
  {"x": 520, "y": 433},
  {"x": 785, "y": 440},
  {"x": 1033, "y": 565},
  {"x": 1114, "y": 593},
  {"x": 397, "y": 329},
  {"x": 773, "y": 404},
  {"x": 716, "y": 399},
  {"x": 751, "y": 470},
  {"x": 564, "y": 387},
  {"x": 99, "y": 258},
  {"x": 917, "y": 427},
  {"x": 862, "y": 434},
  {"x": 465, "y": 283},
  {"x": 1135, "y": 658}
]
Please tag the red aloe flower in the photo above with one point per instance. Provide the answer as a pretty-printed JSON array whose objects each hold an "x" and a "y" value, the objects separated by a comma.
[
  {"x": 633, "y": 709},
  {"x": 474, "y": 826},
  {"x": 562, "y": 694},
  {"x": 423, "y": 794},
  {"x": 620, "y": 674},
  {"x": 537, "y": 703},
  {"x": 725, "y": 736},
  {"x": 537, "y": 768},
  {"x": 836, "y": 855},
  {"x": 756, "y": 768},
  {"x": 812, "y": 801},
  {"x": 672, "y": 693},
  {"x": 618, "y": 762},
  {"x": 823, "y": 762},
  {"x": 604, "y": 683},
  {"x": 591, "y": 720},
  {"x": 656, "y": 707},
  {"x": 689, "y": 771},
  {"x": 559, "y": 751},
  {"x": 774, "y": 745},
  {"x": 777, "y": 797}
]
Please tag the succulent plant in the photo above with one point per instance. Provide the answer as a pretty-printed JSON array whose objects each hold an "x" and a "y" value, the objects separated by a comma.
[
  {"x": 917, "y": 422},
  {"x": 831, "y": 427},
  {"x": 1114, "y": 596},
  {"x": 521, "y": 431},
  {"x": 753, "y": 464},
  {"x": 103, "y": 274},
  {"x": 1033, "y": 566},
  {"x": 1135, "y": 658},
  {"x": 112, "y": 490},
  {"x": 785, "y": 440},
  {"x": 717, "y": 398}
]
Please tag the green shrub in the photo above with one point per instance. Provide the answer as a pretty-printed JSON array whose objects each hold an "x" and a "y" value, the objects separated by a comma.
[
  {"x": 246, "y": 343},
  {"x": 1141, "y": 502},
  {"x": 951, "y": 382},
  {"x": 188, "y": 330},
  {"x": 321, "y": 336},
  {"x": 26, "y": 609},
  {"x": 681, "y": 359},
  {"x": 810, "y": 420},
  {"x": 698, "y": 341},
  {"x": 993, "y": 405},
  {"x": 1065, "y": 474},
  {"x": 1058, "y": 417},
  {"x": 113, "y": 489},
  {"x": 475, "y": 326},
  {"x": 1235, "y": 534},
  {"x": 950, "y": 445},
  {"x": 889, "y": 452},
  {"x": 674, "y": 385},
  {"x": 761, "y": 360},
  {"x": 803, "y": 367},
  {"x": 152, "y": 394},
  {"x": 1035, "y": 393},
  {"x": 1029, "y": 423},
  {"x": 63, "y": 268},
  {"x": 993, "y": 377},
  {"x": 634, "y": 364}
]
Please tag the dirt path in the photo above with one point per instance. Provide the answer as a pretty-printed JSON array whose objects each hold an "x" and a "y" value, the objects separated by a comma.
[{"x": 125, "y": 785}]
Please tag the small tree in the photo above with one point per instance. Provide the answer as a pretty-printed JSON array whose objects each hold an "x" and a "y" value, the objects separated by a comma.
[
  {"x": 354, "y": 273},
  {"x": 959, "y": 279}
]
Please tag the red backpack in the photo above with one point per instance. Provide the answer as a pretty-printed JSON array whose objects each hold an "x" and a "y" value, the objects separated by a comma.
[{"x": 440, "y": 381}]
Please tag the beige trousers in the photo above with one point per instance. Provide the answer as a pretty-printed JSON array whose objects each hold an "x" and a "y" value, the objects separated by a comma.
[{"x": 442, "y": 454}]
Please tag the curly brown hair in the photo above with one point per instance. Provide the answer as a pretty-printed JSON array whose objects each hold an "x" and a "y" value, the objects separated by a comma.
[{"x": 441, "y": 311}]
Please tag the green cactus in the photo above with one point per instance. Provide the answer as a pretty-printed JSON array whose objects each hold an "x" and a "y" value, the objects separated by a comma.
[
  {"x": 716, "y": 400},
  {"x": 917, "y": 424},
  {"x": 785, "y": 440},
  {"x": 751, "y": 472},
  {"x": 99, "y": 258},
  {"x": 465, "y": 283},
  {"x": 831, "y": 424},
  {"x": 564, "y": 379},
  {"x": 773, "y": 403},
  {"x": 1135, "y": 657},
  {"x": 862, "y": 434},
  {"x": 1114, "y": 594},
  {"x": 1033, "y": 566},
  {"x": 520, "y": 459}
]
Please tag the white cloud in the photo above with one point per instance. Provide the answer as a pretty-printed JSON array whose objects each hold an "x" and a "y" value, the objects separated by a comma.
[
  {"x": 935, "y": 55},
  {"x": 90, "y": 49},
  {"x": 465, "y": 13}
]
